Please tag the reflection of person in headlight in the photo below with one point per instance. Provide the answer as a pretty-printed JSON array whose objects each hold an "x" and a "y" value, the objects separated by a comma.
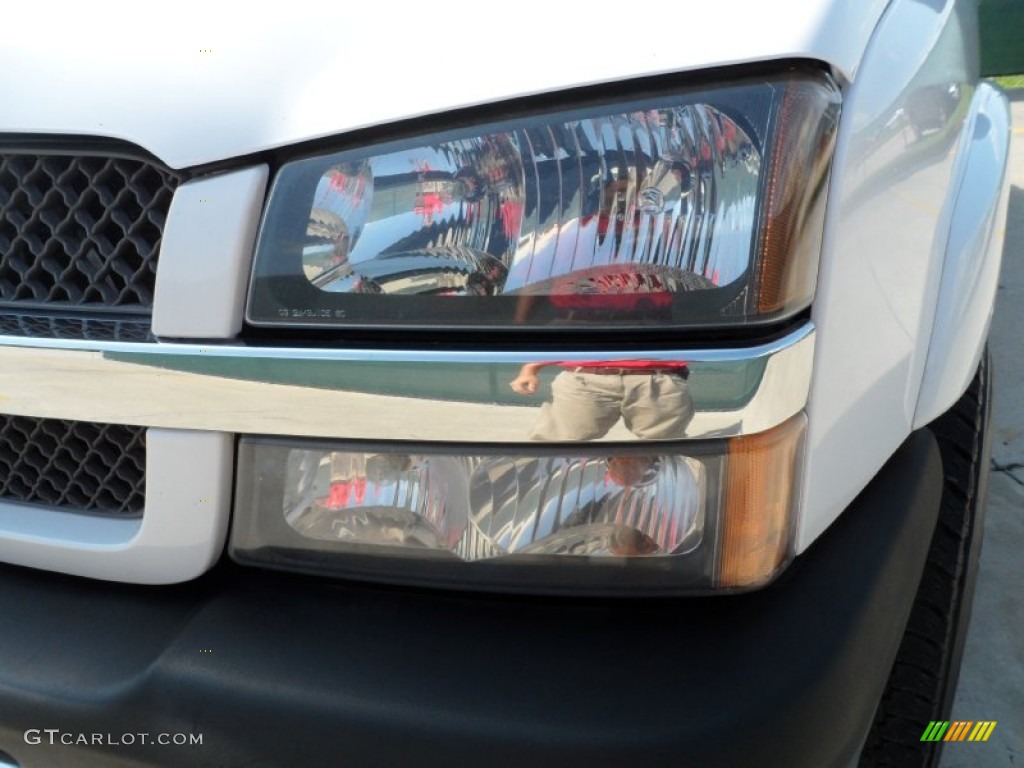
[{"x": 652, "y": 398}]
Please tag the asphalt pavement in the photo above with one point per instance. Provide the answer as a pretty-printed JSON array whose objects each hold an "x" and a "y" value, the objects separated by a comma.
[{"x": 992, "y": 677}]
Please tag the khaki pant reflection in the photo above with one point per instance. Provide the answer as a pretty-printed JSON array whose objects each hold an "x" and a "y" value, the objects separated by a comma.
[{"x": 584, "y": 406}]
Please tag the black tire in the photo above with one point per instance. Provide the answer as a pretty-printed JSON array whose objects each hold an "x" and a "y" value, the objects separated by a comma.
[{"x": 924, "y": 676}]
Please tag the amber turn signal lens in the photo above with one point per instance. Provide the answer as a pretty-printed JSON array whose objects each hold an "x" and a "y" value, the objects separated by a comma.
[
  {"x": 761, "y": 480},
  {"x": 795, "y": 201}
]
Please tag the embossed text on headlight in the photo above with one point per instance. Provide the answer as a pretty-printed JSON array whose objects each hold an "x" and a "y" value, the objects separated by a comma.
[{"x": 701, "y": 207}]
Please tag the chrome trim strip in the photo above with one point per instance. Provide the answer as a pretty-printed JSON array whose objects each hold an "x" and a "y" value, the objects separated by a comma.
[
  {"x": 234, "y": 349},
  {"x": 424, "y": 395}
]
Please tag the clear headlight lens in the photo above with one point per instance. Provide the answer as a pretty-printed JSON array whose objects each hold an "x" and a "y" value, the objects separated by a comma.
[
  {"x": 697, "y": 208},
  {"x": 715, "y": 514}
]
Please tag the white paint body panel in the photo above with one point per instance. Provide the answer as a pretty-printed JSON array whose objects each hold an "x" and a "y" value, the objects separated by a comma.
[
  {"x": 973, "y": 255},
  {"x": 206, "y": 255},
  {"x": 213, "y": 82},
  {"x": 180, "y": 536},
  {"x": 891, "y": 206}
]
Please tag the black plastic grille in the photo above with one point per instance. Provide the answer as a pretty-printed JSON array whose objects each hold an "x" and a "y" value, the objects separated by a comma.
[
  {"x": 42, "y": 326},
  {"x": 81, "y": 233},
  {"x": 76, "y": 465}
]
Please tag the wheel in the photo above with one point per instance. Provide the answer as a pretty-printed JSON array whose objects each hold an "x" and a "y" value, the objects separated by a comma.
[{"x": 923, "y": 680}]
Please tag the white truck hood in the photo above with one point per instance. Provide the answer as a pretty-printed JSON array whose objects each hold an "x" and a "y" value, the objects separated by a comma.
[{"x": 206, "y": 84}]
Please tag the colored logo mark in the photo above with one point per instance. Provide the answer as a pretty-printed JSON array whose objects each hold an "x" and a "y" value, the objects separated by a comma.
[{"x": 958, "y": 730}]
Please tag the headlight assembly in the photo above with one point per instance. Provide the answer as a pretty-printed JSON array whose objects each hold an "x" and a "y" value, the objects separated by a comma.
[
  {"x": 689, "y": 209},
  {"x": 660, "y": 519}
]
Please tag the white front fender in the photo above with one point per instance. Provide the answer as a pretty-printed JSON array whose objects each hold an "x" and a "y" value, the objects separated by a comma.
[{"x": 973, "y": 256}]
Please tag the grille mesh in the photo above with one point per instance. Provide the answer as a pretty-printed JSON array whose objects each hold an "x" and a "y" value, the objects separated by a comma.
[
  {"x": 75, "y": 465},
  {"x": 81, "y": 233},
  {"x": 41, "y": 326}
]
